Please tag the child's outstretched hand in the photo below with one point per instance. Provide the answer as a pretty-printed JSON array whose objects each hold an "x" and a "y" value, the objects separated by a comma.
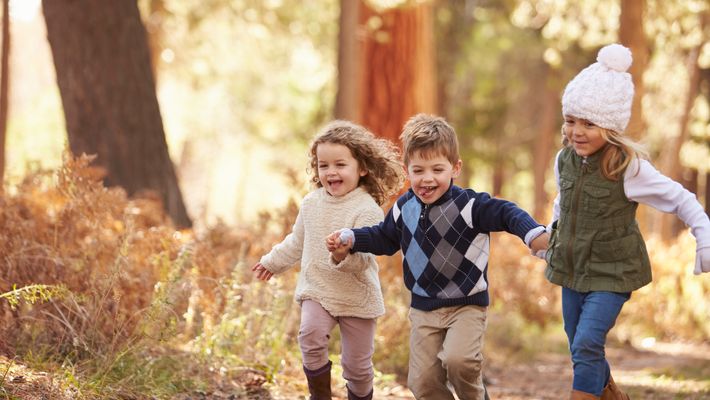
[
  {"x": 702, "y": 261},
  {"x": 261, "y": 273},
  {"x": 339, "y": 243}
]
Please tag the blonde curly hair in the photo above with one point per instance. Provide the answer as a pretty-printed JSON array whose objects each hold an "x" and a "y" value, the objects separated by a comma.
[{"x": 378, "y": 156}]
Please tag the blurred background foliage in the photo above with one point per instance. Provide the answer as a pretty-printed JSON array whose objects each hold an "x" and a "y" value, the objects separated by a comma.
[{"x": 243, "y": 85}]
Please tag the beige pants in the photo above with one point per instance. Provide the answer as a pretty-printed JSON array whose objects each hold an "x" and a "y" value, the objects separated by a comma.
[
  {"x": 357, "y": 337},
  {"x": 446, "y": 344}
]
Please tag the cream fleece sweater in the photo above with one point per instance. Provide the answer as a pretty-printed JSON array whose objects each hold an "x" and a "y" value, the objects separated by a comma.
[{"x": 352, "y": 287}]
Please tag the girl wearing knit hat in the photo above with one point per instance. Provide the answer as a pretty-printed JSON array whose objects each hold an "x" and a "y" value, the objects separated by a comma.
[{"x": 596, "y": 252}]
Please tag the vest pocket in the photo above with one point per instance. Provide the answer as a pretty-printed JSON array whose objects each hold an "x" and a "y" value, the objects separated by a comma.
[
  {"x": 615, "y": 258},
  {"x": 565, "y": 193},
  {"x": 551, "y": 246},
  {"x": 554, "y": 253},
  {"x": 596, "y": 199},
  {"x": 615, "y": 250}
]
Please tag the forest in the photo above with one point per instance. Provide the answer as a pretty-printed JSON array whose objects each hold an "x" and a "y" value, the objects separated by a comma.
[{"x": 152, "y": 151}]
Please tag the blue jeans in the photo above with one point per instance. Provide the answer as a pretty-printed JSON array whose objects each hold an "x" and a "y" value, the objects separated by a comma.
[{"x": 588, "y": 317}]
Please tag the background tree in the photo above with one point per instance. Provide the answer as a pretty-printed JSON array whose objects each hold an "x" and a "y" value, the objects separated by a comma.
[
  {"x": 347, "y": 101},
  {"x": 671, "y": 156},
  {"x": 633, "y": 36},
  {"x": 107, "y": 87},
  {"x": 4, "y": 84},
  {"x": 397, "y": 67}
]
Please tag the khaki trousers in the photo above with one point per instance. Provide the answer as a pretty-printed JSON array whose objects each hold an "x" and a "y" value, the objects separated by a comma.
[
  {"x": 357, "y": 337},
  {"x": 446, "y": 344}
]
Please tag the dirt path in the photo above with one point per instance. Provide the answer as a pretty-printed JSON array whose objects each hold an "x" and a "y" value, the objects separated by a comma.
[{"x": 660, "y": 372}]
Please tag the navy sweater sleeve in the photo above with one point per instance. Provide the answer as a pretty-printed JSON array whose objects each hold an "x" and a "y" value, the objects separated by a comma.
[
  {"x": 496, "y": 215},
  {"x": 381, "y": 239}
]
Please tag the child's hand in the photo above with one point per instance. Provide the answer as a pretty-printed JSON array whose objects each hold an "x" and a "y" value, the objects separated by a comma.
[
  {"x": 261, "y": 273},
  {"x": 702, "y": 261},
  {"x": 339, "y": 238},
  {"x": 339, "y": 244},
  {"x": 332, "y": 241},
  {"x": 539, "y": 244}
]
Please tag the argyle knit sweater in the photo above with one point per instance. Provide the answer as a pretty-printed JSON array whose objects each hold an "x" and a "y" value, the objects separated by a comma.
[{"x": 445, "y": 244}]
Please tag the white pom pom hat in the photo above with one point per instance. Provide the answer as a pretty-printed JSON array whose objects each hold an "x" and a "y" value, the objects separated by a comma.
[{"x": 603, "y": 92}]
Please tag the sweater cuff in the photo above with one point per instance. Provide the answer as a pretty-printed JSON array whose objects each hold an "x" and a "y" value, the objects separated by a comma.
[
  {"x": 533, "y": 234},
  {"x": 360, "y": 242}
]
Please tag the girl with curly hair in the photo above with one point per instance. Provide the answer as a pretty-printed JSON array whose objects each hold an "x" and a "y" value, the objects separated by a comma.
[{"x": 354, "y": 173}]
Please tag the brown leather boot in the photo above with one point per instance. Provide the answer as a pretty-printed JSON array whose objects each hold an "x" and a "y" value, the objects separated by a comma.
[
  {"x": 319, "y": 382},
  {"x": 612, "y": 392},
  {"x": 577, "y": 395}
]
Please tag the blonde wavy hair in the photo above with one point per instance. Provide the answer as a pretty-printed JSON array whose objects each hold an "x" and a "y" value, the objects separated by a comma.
[
  {"x": 617, "y": 154},
  {"x": 378, "y": 156}
]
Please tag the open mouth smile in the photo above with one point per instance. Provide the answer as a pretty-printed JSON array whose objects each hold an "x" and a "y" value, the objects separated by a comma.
[{"x": 425, "y": 191}]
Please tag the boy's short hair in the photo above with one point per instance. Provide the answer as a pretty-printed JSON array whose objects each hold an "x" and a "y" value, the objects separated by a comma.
[{"x": 430, "y": 136}]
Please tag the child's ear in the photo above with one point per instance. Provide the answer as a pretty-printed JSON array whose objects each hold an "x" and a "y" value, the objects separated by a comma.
[
  {"x": 457, "y": 169},
  {"x": 363, "y": 172}
]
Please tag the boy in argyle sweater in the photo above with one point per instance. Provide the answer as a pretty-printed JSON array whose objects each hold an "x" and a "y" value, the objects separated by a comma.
[{"x": 443, "y": 232}]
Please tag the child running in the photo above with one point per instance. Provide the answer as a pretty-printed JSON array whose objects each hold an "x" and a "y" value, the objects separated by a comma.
[
  {"x": 354, "y": 173},
  {"x": 443, "y": 232},
  {"x": 596, "y": 251}
]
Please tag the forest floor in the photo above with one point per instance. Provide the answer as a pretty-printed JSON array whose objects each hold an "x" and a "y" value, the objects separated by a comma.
[{"x": 660, "y": 372}]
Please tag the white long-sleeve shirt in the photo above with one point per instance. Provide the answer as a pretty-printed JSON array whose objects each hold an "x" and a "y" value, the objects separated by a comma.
[{"x": 646, "y": 185}]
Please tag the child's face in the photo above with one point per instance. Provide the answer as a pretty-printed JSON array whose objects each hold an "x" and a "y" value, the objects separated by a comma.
[
  {"x": 430, "y": 176},
  {"x": 585, "y": 137},
  {"x": 338, "y": 171}
]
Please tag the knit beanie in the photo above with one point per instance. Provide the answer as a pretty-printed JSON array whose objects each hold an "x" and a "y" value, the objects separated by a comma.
[{"x": 603, "y": 92}]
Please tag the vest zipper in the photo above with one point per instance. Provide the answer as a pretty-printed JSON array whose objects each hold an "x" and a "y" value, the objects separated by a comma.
[{"x": 573, "y": 216}]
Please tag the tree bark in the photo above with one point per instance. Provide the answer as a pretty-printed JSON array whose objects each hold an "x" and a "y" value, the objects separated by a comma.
[
  {"x": 548, "y": 129},
  {"x": 670, "y": 225},
  {"x": 347, "y": 100},
  {"x": 632, "y": 35},
  {"x": 397, "y": 67},
  {"x": 103, "y": 67},
  {"x": 4, "y": 85}
]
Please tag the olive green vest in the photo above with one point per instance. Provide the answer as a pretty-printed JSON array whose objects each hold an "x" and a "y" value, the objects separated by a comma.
[{"x": 596, "y": 244}]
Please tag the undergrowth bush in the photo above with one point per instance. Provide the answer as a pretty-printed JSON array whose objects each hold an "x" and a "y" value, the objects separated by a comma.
[{"x": 140, "y": 298}]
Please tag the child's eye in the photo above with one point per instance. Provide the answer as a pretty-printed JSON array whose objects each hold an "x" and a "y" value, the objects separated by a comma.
[
  {"x": 589, "y": 124},
  {"x": 321, "y": 166}
]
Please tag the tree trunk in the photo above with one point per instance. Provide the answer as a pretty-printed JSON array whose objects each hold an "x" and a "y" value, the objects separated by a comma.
[
  {"x": 397, "y": 67},
  {"x": 155, "y": 32},
  {"x": 4, "y": 85},
  {"x": 498, "y": 175},
  {"x": 671, "y": 156},
  {"x": 347, "y": 100},
  {"x": 542, "y": 153},
  {"x": 103, "y": 67},
  {"x": 631, "y": 35}
]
